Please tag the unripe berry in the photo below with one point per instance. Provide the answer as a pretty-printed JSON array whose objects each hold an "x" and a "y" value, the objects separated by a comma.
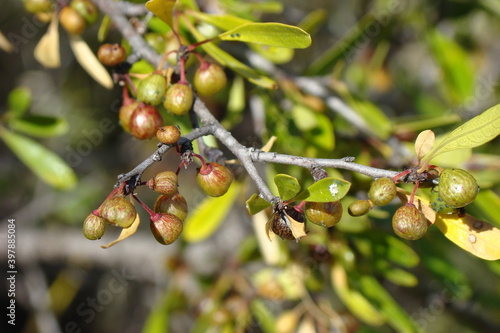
[
  {"x": 172, "y": 44},
  {"x": 72, "y": 21},
  {"x": 359, "y": 207},
  {"x": 438, "y": 205},
  {"x": 209, "y": 79},
  {"x": 382, "y": 191},
  {"x": 156, "y": 41},
  {"x": 175, "y": 205},
  {"x": 87, "y": 9},
  {"x": 325, "y": 214},
  {"x": 457, "y": 187},
  {"x": 409, "y": 223},
  {"x": 118, "y": 211},
  {"x": 166, "y": 229},
  {"x": 125, "y": 114},
  {"x": 111, "y": 54},
  {"x": 178, "y": 99},
  {"x": 94, "y": 227},
  {"x": 145, "y": 121},
  {"x": 168, "y": 135},
  {"x": 164, "y": 183},
  {"x": 214, "y": 179},
  {"x": 37, "y": 6},
  {"x": 152, "y": 89}
]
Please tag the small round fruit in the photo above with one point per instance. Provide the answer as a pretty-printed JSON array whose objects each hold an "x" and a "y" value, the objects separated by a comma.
[
  {"x": 156, "y": 41},
  {"x": 145, "y": 121},
  {"x": 164, "y": 183},
  {"x": 111, "y": 54},
  {"x": 118, "y": 211},
  {"x": 94, "y": 227},
  {"x": 360, "y": 207},
  {"x": 214, "y": 179},
  {"x": 125, "y": 114},
  {"x": 457, "y": 187},
  {"x": 72, "y": 21},
  {"x": 38, "y": 6},
  {"x": 87, "y": 9},
  {"x": 166, "y": 229},
  {"x": 325, "y": 214},
  {"x": 152, "y": 89},
  {"x": 409, "y": 223},
  {"x": 209, "y": 79},
  {"x": 175, "y": 205},
  {"x": 179, "y": 99},
  {"x": 438, "y": 205},
  {"x": 382, "y": 191},
  {"x": 172, "y": 45},
  {"x": 168, "y": 135}
]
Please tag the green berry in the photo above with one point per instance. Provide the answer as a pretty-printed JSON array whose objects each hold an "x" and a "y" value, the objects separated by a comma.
[
  {"x": 94, "y": 227},
  {"x": 325, "y": 214},
  {"x": 152, "y": 89},
  {"x": 178, "y": 99},
  {"x": 457, "y": 187},
  {"x": 87, "y": 9},
  {"x": 164, "y": 183},
  {"x": 166, "y": 228},
  {"x": 209, "y": 79},
  {"x": 359, "y": 207},
  {"x": 408, "y": 222},
  {"x": 438, "y": 205},
  {"x": 382, "y": 191},
  {"x": 175, "y": 205},
  {"x": 118, "y": 211}
]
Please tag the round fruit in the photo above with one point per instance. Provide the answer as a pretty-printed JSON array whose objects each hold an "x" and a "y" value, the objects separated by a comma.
[
  {"x": 359, "y": 207},
  {"x": 438, "y": 205},
  {"x": 172, "y": 45},
  {"x": 125, "y": 114},
  {"x": 72, "y": 21},
  {"x": 164, "y": 183},
  {"x": 175, "y": 205},
  {"x": 166, "y": 229},
  {"x": 152, "y": 89},
  {"x": 37, "y": 6},
  {"x": 111, "y": 54},
  {"x": 179, "y": 99},
  {"x": 325, "y": 214},
  {"x": 209, "y": 79},
  {"x": 214, "y": 179},
  {"x": 457, "y": 187},
  {"x": 93, "y": 227},
  {"x": 87, "y": 9},
  {"x": 382, "y": 191},
  {"x": 156, "y": 41},
  {"x": 145, "y": 121},
  {"x": 409, "y": 223},
  {"x": 168, "y": 135},
  {"x": 118, "y": 211}
]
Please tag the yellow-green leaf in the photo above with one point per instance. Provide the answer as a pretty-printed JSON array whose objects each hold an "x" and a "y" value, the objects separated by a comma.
[
  {"x": 272, "y": 34},
  {"x": 221, "y": 21},
  {"x": 44, "y": 163},
  {"x": 39, "y": 126},
  {"x": 288, "y": 186},
  {"x": 473, "y": 133},
  {"x": 162, "y": 9},
  {"x": 47, "y": 49},
  {"x": 325, "y": 190},
  {"x": 19, "y": 100},
  {"x": 473, "y": 235},
  {"x": 208, "y": 216},
  {"x": 126, "y": 232},
  {"x": 424, "y": 143}
]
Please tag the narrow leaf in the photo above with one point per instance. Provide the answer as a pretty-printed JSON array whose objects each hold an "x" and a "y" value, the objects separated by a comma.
[
  {"x": 473, "y": 133},
  {"x": 288, "y": 186},
  {"x": 89, "y": 61},
  {"x": 44, "y": 163},
  {"x": 126, "y": 232},
  {"x": 19, "y": 101},
  {"x": 47, "y": 49},
  {"x": 40, "y": 126},
  {"x": 221, "y": 21},
  {"x": 162, "y": 9},
  {"x": 209, "y": 215},
  {"x": 473, "y": 235},
  {"x": 264, "y": 316},
  {"x": 271, "y": 34},
  {"x": 424, "y": 143},
  {"x": 325, "y": 190}
]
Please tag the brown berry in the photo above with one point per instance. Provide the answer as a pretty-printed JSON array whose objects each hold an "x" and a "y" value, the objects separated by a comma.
[
  {"x": 72, "y": 21},
  {"x": 175, "y": 205},
  {"x": 168, "y": 135},
  {"x": 151, "y": 89},
  {"x": 164, "y": 183},
  {"x": 111, "y": 54},
  {"x": 408, "y": 222},
  {"x": 382, "y": 191},
  {"x": 214, "y": 179},
  {"x": 94, "y": 227},
  {"x": 179, "y": 99},
  {"x": 359, "y": 207},
  {"x": 325, "y": 214},
  {"x": 166, "y": 228},
  {"x": 145, "y": 121},
  {"x": 118, "y": 211},
  {"x": 457, "y": 187},
  {"x": 279, "y": 223},
  {"x": 209, "y": 79}
]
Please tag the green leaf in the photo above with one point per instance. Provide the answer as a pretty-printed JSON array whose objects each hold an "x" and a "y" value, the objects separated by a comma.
[
  {"x": 400, "y": 253},
  {"x": 44, "y": 163},
  {"x": 162, "y": 9},
  {"x": 209, "y": 215},
  {"x": 39, "y": 126},
  {"x": 395, "y": 275},
  {"x": 278, "y": 55},
  {"x": 322, "y": 136},
  {"x": 256, "y": 204},
  {"x": 19, "y": 101},
  {"x": 272, "y": 34},
  {"x": 475, "y": 132},
  {"x": 223, "y": 21},
  {"x": 325, "y": 190},
  {"x": 264, "y": 316},
  {"x": 288, "y": 186}
]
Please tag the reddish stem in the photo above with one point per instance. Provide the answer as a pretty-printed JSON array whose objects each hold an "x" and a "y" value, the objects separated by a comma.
[
  {"x": 401, "y": 174},
  {"x": 412, "y": 196},
  {"x": 202, "y": 160}
]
